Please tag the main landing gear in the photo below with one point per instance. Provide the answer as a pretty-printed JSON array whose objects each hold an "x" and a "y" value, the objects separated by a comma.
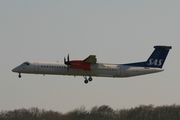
[
  {"x": 19, "y": 75},
  {"x": 87, "y": 79}
]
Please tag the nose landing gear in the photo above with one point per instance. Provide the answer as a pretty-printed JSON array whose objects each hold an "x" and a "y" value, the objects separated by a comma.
[
  {"x": 87, "y": 79},
  {"x": 19, "y": 75}
]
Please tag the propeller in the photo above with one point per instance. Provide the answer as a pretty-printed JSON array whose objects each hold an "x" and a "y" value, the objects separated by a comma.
[{"x": 67, "y": 62}]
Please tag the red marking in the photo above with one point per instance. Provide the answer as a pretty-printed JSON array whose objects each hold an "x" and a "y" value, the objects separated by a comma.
[{"x": 79, "y": 64}]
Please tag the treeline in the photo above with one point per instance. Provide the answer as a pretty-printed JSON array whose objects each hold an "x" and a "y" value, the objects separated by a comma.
[{"x": 142, "y": 112}]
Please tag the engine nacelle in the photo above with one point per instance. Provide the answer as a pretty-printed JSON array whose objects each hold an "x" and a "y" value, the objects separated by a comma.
[{"x": 79, "y": 64}]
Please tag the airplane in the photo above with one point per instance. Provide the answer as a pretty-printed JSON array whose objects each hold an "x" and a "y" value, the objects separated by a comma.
[{"x": 90, "y": 67}]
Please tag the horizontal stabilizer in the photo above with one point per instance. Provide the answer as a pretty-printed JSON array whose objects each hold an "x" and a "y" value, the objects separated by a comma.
[{"x": 163, "y": 47}]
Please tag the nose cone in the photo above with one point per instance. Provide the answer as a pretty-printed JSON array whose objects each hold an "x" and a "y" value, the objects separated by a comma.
[{"x": 15, "y": 69}]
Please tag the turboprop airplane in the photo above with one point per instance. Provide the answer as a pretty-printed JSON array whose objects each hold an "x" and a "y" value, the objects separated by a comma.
[{"x": 90, "y": 67}]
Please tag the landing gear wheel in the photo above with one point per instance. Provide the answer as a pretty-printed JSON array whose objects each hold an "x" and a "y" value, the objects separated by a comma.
[
  {"x": 90, "y": 79},
  {"x": 19, "y": 75},
  {"x": 86, "y": 81}
]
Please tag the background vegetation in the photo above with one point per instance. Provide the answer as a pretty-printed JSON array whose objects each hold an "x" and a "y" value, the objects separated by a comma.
[{"x": 104, "y": 112}]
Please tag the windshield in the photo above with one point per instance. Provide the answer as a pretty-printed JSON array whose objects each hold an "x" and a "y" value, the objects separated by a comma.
[{"x": 25, "y": 63}]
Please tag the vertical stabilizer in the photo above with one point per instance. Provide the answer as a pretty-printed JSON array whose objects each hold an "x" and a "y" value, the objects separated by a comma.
[
  {"x": 156, "y": 59},
  {"x": 158, "y": 56}
]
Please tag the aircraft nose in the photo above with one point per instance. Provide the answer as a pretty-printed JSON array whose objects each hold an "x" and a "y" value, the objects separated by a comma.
[{"x": 15, "y": 69}]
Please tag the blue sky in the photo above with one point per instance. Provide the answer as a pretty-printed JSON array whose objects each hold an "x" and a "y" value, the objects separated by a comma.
[{"x": 115, "y": 31}]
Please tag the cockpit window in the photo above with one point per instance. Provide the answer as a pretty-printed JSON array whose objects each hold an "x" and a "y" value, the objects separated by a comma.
[{"x": 26, "y": 63}]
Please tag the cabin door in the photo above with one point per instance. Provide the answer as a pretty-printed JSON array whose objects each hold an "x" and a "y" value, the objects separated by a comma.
[
  {"x": 36, "y": 67},
  {"x": 118, "y": 71}
]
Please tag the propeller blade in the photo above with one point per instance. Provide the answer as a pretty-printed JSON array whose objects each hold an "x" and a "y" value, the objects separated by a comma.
[
  {"x": 67, "y": 62},
  {"x": 68, "y": 58},
  {"x": 68, "y": 67}
]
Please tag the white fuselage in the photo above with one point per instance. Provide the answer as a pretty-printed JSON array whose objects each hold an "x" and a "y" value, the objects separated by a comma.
[{"x": 98, "y": 69}]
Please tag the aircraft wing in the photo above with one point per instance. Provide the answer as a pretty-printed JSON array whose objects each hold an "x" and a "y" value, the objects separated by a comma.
[{"x": 91, "y": 59}]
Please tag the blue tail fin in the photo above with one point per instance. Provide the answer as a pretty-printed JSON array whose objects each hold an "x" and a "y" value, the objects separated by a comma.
[{"x": 156, "y": 59}]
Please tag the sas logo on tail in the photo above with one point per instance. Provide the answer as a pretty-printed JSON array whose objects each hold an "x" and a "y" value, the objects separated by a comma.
[{"x": 155, "y": 62}]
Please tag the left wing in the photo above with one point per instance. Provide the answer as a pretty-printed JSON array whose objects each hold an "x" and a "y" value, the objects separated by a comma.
[{"x": 91, "y": 59}]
